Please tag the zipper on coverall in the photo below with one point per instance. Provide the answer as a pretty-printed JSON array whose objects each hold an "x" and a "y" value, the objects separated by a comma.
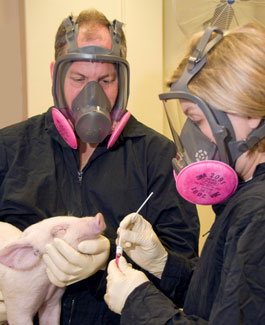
[
  {"x": 71, "y": 312},
  {"x": 80, "y": 176}
]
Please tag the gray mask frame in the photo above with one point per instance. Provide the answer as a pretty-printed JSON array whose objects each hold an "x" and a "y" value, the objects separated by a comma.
[{"x": 94, "y": 54}]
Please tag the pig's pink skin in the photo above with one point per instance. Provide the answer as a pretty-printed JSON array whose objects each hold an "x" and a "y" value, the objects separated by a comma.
[
  {"x": 8, "y": 234},
  {"x": 23, "y": 280}
]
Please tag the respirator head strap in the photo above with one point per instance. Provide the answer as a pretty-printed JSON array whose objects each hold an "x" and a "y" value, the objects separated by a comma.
[
  {"x": 197, "y": 59},
  {"x": 204, "y": 46},
  {"x": 239, "y": 147},
  {"x": 92, "y": 120},
  {"x": 71, "y": 31},
  {"x": 116, "y": 33}
]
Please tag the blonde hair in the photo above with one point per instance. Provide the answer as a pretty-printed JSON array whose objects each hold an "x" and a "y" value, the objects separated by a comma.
[{"x": 233, "y": 78}]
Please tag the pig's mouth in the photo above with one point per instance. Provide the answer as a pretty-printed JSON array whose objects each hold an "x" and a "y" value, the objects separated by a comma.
[{"x": 86, "y": 237}]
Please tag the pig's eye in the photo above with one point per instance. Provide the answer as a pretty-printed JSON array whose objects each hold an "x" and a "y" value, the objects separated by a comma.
[
  {"x": 59, "y": 231},
  {"x": 36, "y": 252}
]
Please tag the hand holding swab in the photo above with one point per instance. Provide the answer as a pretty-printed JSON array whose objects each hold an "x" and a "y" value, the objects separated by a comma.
[{"x": 119, "y": 248}]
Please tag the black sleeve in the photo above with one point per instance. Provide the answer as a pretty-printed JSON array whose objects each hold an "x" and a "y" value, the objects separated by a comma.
[
  {"x": 176, "y": 277},
  {"x": 241, "y": 294},
  {"x": 147, "y": 305}
]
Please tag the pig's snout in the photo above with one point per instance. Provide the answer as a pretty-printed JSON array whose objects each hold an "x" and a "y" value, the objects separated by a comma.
[
  {"x": 99, "y": 223},
  {"x": 93, "y": 225}
]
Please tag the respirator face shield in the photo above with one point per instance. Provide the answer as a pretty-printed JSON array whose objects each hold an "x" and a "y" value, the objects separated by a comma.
[
  {"x": 93, "y": 107},
  {"x": 90, "y": 89},
  {"x": 201, "y": 166},
  {"x": 207, "y": 148}
]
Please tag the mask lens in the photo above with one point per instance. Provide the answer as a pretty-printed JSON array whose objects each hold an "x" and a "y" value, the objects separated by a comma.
[
  {"x": 73, "y": 73},
  {"x": 93, "y": 116},
  {"x": 122, "y": 98},
  {"x": 85, "y": 102},
  {"x": 191, "y": 131},
  {"x": 61, "y": 72},
  {"x": 176, "y": 119}
]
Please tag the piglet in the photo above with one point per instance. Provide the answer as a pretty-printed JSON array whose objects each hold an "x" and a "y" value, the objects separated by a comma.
[{"x": 23, "y": 280}]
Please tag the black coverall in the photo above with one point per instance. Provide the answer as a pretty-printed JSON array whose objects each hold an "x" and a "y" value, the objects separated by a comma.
[{"x": 226, "y": 286}]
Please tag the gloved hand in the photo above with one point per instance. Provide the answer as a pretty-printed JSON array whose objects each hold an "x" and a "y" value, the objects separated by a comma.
[
  {"x": 121, "y": 281},
  {"x": 141, "y": 244},
  {"x": 65, "y": 265},
  {"x": 3, "y": 315}
]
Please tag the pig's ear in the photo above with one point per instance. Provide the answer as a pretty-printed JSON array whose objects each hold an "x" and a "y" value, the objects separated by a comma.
[
  {"x": 20, "y": 256},
  {"x": 59, "y": 230}
]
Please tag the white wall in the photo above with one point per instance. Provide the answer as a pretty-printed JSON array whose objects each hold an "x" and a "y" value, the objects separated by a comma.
[
  {"x": 10, "y": 64},
  {"x": 143, "y": 29}
]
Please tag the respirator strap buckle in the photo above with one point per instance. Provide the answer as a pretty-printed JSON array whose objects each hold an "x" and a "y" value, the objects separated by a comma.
[
  {"x": 116, "y": 32},
  {"x": 204, "y": 46},
  {"x": 71, "y": 30}
]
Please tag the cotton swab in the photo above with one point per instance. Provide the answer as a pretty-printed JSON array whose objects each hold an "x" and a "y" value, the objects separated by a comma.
[{"x": 119, "y": 248}]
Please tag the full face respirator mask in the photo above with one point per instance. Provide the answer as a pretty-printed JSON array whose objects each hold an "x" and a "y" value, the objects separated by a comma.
[
  {"x": 204, "y": 165},
  {"x": 90, "y": 117}
]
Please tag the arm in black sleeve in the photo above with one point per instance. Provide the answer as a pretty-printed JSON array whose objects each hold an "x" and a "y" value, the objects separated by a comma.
[
  {"x": 241, "y": 294},
  {"x": 146, "y": 305},
  {"x": 176, "y": 277}
]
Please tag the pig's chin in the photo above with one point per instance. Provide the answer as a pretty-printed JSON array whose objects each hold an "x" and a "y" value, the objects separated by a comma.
[{"x": 86, "y": 237}]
